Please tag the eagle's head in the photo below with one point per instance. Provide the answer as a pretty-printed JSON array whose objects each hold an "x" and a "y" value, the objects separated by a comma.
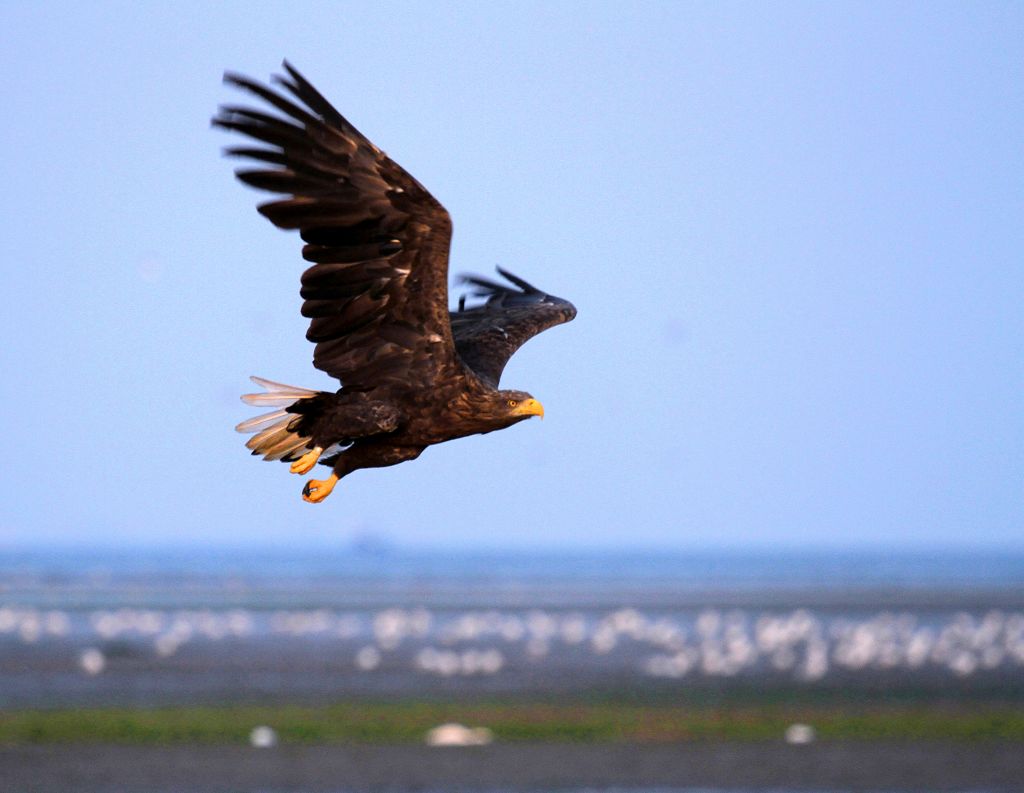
[
  {"x": 519, "y": 405},
  {"x": 505, "y": 408}
]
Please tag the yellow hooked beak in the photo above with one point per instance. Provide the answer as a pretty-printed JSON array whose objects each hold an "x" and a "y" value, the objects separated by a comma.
[{"x": 529, "y": 407}]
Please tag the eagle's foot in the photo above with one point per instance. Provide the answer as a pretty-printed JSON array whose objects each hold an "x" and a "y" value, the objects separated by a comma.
[
  {"x": 316, "y": 490},
  {"x": 306, "y": 462}
]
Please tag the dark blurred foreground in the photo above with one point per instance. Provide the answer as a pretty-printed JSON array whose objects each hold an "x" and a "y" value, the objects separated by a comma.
[{"x": 867, "y": 766}]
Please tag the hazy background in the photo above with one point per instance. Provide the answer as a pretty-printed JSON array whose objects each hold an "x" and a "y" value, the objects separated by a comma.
[{"x": 793, "y": 232}]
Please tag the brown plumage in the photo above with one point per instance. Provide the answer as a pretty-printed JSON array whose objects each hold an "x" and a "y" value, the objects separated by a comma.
[{"x": 412, "y": 373}]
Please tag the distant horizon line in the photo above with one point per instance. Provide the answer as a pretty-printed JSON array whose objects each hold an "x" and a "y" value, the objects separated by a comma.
[{"x": 386, "y": 546}]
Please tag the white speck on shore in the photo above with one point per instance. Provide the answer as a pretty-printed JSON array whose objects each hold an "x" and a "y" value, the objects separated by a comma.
[
  {"x": 800, "y": 734},
  {"x": 57, "y": 623},
  {"x": 92, "y": 661},
  {"x": 368, "y": 658},
  {"x": 30, "y": 629},
  {"x": 263, "y": 737},
  {"x": 166, "y": 645},
  {"x": 452, "y": 734}
]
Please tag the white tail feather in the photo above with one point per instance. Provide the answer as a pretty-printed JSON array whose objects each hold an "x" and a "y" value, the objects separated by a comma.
[
  {"x": 274, "y": 439},
  {"x": 285, "y": 447},
  {"x": 270, "y": 385},
  {"x": 277, "y": 394},
  {"x": 270, "y": 400},
  {"x": 268, "y": 437},
  {"x": 257, "y": 422}
]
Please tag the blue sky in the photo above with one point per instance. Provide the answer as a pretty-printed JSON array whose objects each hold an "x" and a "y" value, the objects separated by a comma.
[{"x": 793, "y": 232}]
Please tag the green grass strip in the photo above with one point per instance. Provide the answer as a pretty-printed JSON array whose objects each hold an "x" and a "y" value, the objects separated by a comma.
[{"x": 588, "y": 722}]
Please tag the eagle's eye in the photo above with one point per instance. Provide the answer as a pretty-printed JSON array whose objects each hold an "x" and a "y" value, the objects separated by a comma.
[{"x": 512, "y": 403}]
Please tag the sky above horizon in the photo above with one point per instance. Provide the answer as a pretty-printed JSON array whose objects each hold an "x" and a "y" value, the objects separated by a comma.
[{"x": 793, "y": 232}]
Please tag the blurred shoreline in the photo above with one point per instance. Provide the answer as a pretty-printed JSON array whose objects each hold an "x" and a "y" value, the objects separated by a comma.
[
  {"x": 148, "y": 671},
  {"x": 110, "y": 627}
]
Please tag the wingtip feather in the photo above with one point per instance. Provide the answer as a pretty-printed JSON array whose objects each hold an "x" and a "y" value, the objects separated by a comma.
[{"x": 524, "y": 285}]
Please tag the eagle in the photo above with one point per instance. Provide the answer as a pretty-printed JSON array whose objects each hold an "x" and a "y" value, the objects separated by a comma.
[{"x": 412, "y": 372}]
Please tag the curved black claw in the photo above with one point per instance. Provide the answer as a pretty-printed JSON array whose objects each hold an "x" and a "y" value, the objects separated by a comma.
[{"x": 305, "y": 489}]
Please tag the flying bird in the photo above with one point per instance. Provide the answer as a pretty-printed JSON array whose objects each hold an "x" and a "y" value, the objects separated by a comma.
[{"x": 412, "y": 373}]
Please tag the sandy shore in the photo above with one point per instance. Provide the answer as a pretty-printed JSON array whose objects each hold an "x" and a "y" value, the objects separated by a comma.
[{"x": 877, "y": 766}]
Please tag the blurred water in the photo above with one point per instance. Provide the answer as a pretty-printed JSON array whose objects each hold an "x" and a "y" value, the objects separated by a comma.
[
  {"x": 321, "y": 578},
  {"x": 170, "y": 626}
]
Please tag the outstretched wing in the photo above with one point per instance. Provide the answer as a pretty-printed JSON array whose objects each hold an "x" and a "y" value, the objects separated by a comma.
[
  {"x": 377, "y": 293},
  {"x": 488, "y": 335}
]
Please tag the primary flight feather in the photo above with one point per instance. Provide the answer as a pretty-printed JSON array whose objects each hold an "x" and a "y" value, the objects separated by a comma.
[{"x": 412, "y": 373}]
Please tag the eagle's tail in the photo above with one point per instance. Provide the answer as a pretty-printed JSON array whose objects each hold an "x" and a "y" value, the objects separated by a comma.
[{"x": 276, "y": 437}]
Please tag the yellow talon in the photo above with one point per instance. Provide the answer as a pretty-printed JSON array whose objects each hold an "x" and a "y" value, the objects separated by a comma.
[
  {"x": 316, "y": 490},
  {"x": 306, "y": 462}
]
